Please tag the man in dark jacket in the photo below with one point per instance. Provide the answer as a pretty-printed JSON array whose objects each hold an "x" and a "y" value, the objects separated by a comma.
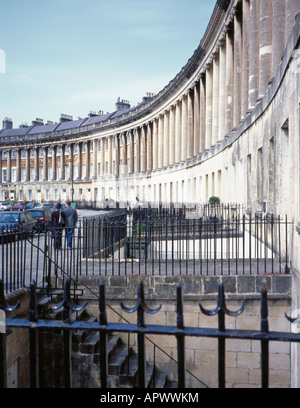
[
  {"x": 71, "y": 221},
  {"x": 58, "y": 222}
]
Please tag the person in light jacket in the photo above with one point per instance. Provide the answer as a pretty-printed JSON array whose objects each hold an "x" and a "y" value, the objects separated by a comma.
[{"x": 71, "y": 221}]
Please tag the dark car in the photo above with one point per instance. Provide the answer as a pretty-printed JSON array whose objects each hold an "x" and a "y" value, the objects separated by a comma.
[
  {"x": 42, "y": 217},
  {"x": 16, "y": 224},
  {"x": 63, "y": 206},
  {"x": 31, "y": 205}
]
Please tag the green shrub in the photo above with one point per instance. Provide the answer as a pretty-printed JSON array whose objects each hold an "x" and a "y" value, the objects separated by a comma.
[{"x": 214, "y": 200}]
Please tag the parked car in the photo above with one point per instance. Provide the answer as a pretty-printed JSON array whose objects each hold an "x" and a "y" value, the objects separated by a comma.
[
  {"x": 63, "y": 206},
  {"x": 31, "y": 205},
  {"x": 5, "y": 206},
  {"x": 45, "y": 205},
  {"x": 18, "y": 207},
  {"x": 16, "y": 224},
  {"x": 42, "y": 217}
]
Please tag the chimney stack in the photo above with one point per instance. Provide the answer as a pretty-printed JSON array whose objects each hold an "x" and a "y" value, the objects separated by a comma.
[
  {"x": 120, "y": 105},
  {"x": 7, "y": 123},
  {"x": 148, "y": 97},
  {"x": 65, "y": 118},
  {"x": 37, "y": 122}
]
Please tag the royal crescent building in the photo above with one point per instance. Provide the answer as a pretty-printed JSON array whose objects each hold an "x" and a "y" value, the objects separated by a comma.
[{"x": 227, "y": 125}]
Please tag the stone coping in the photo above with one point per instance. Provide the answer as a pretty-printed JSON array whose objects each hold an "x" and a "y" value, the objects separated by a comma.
[{"x": 194, "y": 287}]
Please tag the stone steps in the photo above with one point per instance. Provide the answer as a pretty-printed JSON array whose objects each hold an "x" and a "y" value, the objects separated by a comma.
[{"x": 122, "y": 361}]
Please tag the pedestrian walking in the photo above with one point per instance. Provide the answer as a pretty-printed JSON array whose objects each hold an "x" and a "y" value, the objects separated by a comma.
[
  {"x": 71, "y": 221},
  {"x": 58, "y": 222}
]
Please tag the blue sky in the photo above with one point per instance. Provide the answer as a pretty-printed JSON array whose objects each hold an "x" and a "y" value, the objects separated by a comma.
[{"x": 75, "y": 56}]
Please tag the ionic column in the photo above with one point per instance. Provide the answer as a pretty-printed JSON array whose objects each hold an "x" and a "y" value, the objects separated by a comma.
[
  {"x": 160, "y": 141},
  {"x": 190, "y": 125},
  {"x": 254, "y": 52},
  {"x": 149, "y": 147},
  {"x": 265, "y": 50},
  {"x": 278, "y": 27},
  {"x": 95, "y": 151},
  {"x": 27, "y": 164},
  {"x": 117, "y": 156},
  {"x": 18, "y": 165},
  {"x": 8, "y": 166},
  {"x": 45, "y": 167},
  {"x": 172, "y": 136},
  {"x": 87, "y": 160},
  {"x": 245, "y": 57},
  {"x": 202, "y": 113},
  {"x": 215, "y": 101},
  {"x": 79, "y": 161},
  {"x": 71, "y": 162},
  {"x": 222, "y": 88},
  {"x": 137, "y": 148},
  {"x": 178, "y": 132},
  {"x": 143, "y": 150},
  {"x": 291, "y": 9},
  {"x": 124, "y": 170},
  {"x": 36, "y": 164},
  {"x": 237, "y": 99},
  {"x": 109, "y": 155},
  {"x": 155, "y": 144},
  {"x": 166, "y": 139},
  {"x": 130, "y": 152},
  {"x": 184, "y": 113},
  {"x": 229, "y": 83},
  {"x": 54, "y": 162},
  {"x": 62, "y": 162},
  {"x": 196, "y": 119},
  {"x": 102, "y": 156},
  {"x": 208, "y": 104}
]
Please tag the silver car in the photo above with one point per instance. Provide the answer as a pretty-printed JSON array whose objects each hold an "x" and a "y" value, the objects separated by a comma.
[{"x": 5, "y": 206}]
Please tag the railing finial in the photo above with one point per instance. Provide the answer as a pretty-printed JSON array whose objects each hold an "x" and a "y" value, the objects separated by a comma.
[
  {"x": 66, "y": 304},
  {"x": 221, "y": 308},
  {"x": 3, "y": 305},
  {"x": 140, "y": 306}
]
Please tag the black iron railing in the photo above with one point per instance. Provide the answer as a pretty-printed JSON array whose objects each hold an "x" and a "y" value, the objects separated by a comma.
[
  {"x": 150, "y": 241},
  {"x": 141, "y": 329}
]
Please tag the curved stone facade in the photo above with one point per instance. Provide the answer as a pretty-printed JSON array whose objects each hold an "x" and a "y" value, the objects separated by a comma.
[{"x": 227, "y": 125}]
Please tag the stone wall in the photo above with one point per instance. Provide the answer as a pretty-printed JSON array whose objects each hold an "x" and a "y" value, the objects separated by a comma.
[
  {"x": 17, "y": 343},
  {"x": 242, "y": 357}
]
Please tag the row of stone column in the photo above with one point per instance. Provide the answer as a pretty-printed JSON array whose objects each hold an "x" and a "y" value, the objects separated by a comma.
[
  {"x": 235, "y": 77},
  {"x": 63, "y": 159}
]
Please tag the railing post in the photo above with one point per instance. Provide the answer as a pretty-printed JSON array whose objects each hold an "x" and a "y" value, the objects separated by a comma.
[
  {"x": 287, "y": 269},
  {"x": 103, "y": 336},
  {"x": 3, "y": 378},
  {"x": 67, "y": 306},
  {"x": 67, "y": 337},
  {"x": 33, "y": 339},
  {"x": 141, "y": 307},
  {"x": 221, "y": 310},
  {"x": 180, "y": 339},
  {"x": 264, "y": 343}
]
